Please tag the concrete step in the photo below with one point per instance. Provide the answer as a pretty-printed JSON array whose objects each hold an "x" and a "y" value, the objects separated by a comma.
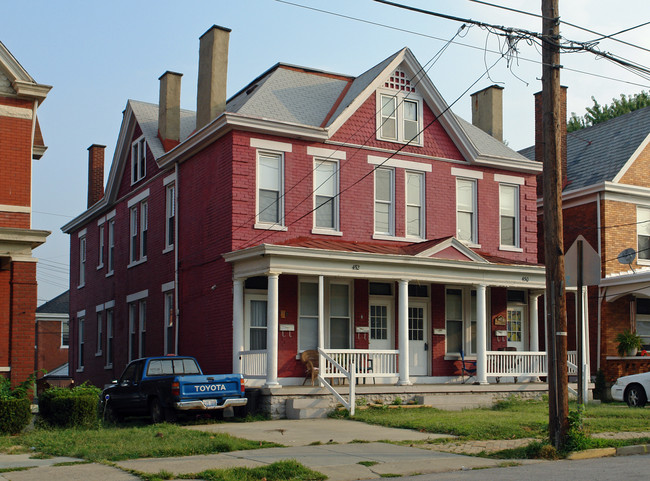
[
  {"x": 305, "y": 408},
  {"x": 456, "y": 403}
]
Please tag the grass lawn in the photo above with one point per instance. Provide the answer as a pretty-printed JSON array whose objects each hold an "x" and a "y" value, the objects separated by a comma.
[
  {"x": 118, "y": 443},
  {"x": 507, "y": 420}
]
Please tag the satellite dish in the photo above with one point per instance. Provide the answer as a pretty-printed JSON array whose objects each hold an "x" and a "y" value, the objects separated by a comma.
[{"x": 627, "y": 257}]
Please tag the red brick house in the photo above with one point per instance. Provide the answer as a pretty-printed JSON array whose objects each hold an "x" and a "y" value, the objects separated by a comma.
[
  {"x": 606, "y": 199},
  {"x": 20, "y": 142},
  {"x": 310, "y": 210},
  {"x": 53, "y": 333}
]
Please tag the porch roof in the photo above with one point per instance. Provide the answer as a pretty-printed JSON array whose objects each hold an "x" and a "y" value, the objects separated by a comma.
[{"x": 445, "y": 260}]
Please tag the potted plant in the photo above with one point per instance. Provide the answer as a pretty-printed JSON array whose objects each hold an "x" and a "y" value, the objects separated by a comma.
[{"x": 628, "y": 343}]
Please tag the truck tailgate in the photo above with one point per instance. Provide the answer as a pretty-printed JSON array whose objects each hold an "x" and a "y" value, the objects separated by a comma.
[{"x": 209, "y": 387}]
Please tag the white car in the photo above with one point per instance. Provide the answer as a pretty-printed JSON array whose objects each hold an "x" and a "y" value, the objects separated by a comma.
[{"x": 634, "y": 389}]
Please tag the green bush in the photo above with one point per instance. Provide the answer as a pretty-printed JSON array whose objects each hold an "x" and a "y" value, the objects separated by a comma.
[
  {"x": 63, "y": 407},
  {"x": 15, "y": 414}
]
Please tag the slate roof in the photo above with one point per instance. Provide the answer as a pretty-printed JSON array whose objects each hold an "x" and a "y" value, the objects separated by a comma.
[
  {"x": 58, "y": 305},
  {"x": 598, "y": 153}
]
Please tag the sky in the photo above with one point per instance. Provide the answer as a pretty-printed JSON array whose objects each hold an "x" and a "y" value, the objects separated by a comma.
[{"x": 97, "y": 55}]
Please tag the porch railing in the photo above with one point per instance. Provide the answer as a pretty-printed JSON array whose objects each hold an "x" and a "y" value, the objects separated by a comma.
[
  {"x": 349, "y": 374},
  {"x": 513, "y": 363},
  {"x": 369, "y": 363},
  {"x": 253, "y": 364}
]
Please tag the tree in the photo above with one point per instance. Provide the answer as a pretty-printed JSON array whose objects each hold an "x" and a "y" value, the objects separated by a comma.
[{"x": 600, "y": 113}]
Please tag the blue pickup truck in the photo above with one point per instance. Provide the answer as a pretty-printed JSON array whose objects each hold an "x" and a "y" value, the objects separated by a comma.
[{"x": 165, "y": 386}]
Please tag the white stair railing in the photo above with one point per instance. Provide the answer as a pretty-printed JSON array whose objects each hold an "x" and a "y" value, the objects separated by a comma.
[{"x": 349, "y": 374}]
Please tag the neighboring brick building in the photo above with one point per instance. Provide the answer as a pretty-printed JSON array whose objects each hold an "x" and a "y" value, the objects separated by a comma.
[
  {"x": 20, "y": 142},
  {"x": 52, "y": 333},
  {"x": 606, "y": 199},
  {"x": 309, "y": 210}
]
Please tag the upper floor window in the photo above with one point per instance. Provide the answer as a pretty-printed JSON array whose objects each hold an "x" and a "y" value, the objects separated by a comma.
[
  {"x": 138, "y": 160},
  {"x": 80, "y": 344},
  {"x": 399, "y": 111},
  {"x": 466, "y": 210},
  {"x": 385, "y": 201},
  {"x": 643, "y": 233},
  {"x": 509, "y": 214},
  {"x": 139, "y": 216},
  {"x": 270, "y": 183},
  {"x": 111, "y": 245},
  {"x": 415, "y": 204},
  {"x": 100, "y": 325},
  {"x": 100, "y": 263},
  {"x": 326, "y": 191},
  {"x": 170, "y": 216},
  {"x": 82, "y": 259},
  {"x": 65, "y": 333}
]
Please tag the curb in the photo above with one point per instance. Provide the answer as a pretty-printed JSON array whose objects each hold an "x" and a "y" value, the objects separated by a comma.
[{"x": 604, "y": 452}]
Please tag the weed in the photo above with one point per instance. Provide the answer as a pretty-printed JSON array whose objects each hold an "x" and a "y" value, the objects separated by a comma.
[
  {"x": 368, "y": 463},
  {"x": 397, "y": 401},
  {"x": 390, "y": 475}
]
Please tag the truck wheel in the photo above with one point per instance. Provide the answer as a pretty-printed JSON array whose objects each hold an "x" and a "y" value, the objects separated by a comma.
[
  {"x": 156, "y": 411},
  {"x": 171, "y": 416}
]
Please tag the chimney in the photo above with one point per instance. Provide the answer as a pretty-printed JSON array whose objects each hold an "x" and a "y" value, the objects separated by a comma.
[
  {"x": 539, "y": 139},
  {"x": 487, "y": 111},
  {"x": 213, "y": 69},
  {"x": 95, "y": 173},
  {"x": 169, "y": 110}
]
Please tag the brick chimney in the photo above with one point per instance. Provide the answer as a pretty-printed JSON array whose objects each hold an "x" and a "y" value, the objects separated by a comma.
[
  {"x": 539, "y": 140},
  {"x": 95, "y": 173},
  {"x": 487, "y": 111},
  {"x": 169, "y": 110},
  {"x": 213, "y": 69}
]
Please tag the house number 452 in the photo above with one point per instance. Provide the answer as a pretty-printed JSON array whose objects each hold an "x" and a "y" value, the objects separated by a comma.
[{"x": 356, "y": 267}]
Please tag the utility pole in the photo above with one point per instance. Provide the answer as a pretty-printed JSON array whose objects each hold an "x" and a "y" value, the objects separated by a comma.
[{"x": 553, "y": 233}]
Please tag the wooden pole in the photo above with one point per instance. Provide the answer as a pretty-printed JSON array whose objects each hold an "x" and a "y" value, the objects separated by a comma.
[{"x": 553, "y": 234}]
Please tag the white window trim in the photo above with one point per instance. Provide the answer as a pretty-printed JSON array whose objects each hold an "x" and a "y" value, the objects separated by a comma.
[
  {"x": 110, "y": 307},
  {"x": 167, "y": 286},
  {"x": 139, "y": 208},
  {"x": 279, "y": 225},
  {"x": 110, "y": 238},
  {"x": 136, "y": 296},
  {"x": 466, "y": 319},
  {"x": 509, "y": 179},
  {"x": 391, "y": 210},
  {"x": 101, "y": 246},
  {"x": 63, "y": 322},
  {"x": 169, "y": 179},
  {"x": 517, "y": 233},
  {"x": 308, "y": 280},
  {"x": 400, "y": 163},
  {"x": 422, "y": 205},
  {"x": 326, "y": 154},
  {"x": 138, "y": 198},
  {"x": 170, "y": 185},
  {"x": 271, "y": 145},
  {"x": 639, "y": 261},
  {"x": 83, "y": 259},
  {"x": 100, "y": 331},
  {"x": 336, "y": 230},
  {"x": 467, "y": 173},
  {"x": 328, "y": 314},
  {"x": 81, "y": 321},
  {"x": 473, "y": 242},
  {"x": 247, "y": 316},
  {"x": 400, "y": 97}
]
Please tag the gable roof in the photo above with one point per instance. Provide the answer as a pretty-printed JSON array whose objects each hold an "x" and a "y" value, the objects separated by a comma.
[
  {"x": 58, "y": 305},
  {"x": 600, "y": 153}
]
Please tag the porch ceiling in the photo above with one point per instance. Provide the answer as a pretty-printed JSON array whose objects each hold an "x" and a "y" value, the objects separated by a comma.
[{"x": 282, "y": 259}]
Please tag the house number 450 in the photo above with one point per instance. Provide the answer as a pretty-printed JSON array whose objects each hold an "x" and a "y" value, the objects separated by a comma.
[
  {"x": 356, "y": 267},
  {"x": 524, "y": 278}
]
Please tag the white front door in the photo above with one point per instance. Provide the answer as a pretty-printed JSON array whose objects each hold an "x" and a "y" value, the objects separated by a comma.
[
  {"x": 381, "y": 325},
  {"x": 418, "y": 339},
  {"x": 516, "y": 327},
  {"x": 255, "y": 322}
]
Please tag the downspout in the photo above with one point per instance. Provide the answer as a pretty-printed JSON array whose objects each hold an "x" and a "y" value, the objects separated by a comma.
[{"x": 176, "y": 247}]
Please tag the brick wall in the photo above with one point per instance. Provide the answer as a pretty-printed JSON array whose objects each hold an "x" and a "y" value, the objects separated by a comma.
[
  {"x": 22, "y": 313},
  {"x": 50, "y": 354},
  {"x": 639, "y": 171},
  {"x": 619, "y": 218}
]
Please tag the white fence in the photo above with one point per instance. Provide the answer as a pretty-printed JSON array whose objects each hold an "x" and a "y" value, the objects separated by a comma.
[
  {"x": 253, "y": 364},
  {"x": 368, "y": 363},
  {"x": 513, "y": 363}
]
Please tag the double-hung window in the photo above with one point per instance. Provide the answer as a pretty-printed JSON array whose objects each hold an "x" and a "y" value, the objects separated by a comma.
[
  {"x": 385, "y": 201},
  {"x": 109, "y": 337},
  {"x": 169, "y": 322},
  {"x": 460, "y": 309},
  {"x": 82, "y": 258},
  {"x": 139, "y": 221},
  {"x": 100, "y": 263},
  {"x": 65, "y": 334},
  {"x": 133, "y": 321},
  {"x": 111, "y": 245},
  {"x": 100, "y": 334},
  {"x": 415, "y": 204},
  {"x": 643, "y": 233},
  {"x": 170, "y": 216},
  {"x": 643, "y": 321},
  {"x": 399, "y": 110},
  {"x": 308, "y": 316},
  {"x": 80, "y": 343},
  {"x": 138, "y": 160},
  {"x": 143, "y": 328},
  {"x": 339, "y": 316},
  {"x": 270, "y": 188},
  {"x": 466, "y": 210},
  {"x": 509, "y": 214},
  {"x": 326, "y": 191}
]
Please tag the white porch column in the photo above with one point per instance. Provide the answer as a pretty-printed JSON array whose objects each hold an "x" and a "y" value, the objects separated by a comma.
[
  {"x": 272, "y": 332},
  {"x": 403, "y": 300},
  {"x": 237, "y": 324},
  {"x": 481, "y": 335},
  {"x": 321, "y": 312},
  {"x": 534, "y": 321}
]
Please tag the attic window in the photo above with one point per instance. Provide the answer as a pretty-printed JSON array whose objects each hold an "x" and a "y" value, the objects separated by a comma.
[{"x": 398, "y": 81}]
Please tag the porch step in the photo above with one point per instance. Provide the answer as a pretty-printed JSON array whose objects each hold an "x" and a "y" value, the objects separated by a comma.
[
  {"x": 451, "y": 402},
  {"x": 303, "y": 408}
]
